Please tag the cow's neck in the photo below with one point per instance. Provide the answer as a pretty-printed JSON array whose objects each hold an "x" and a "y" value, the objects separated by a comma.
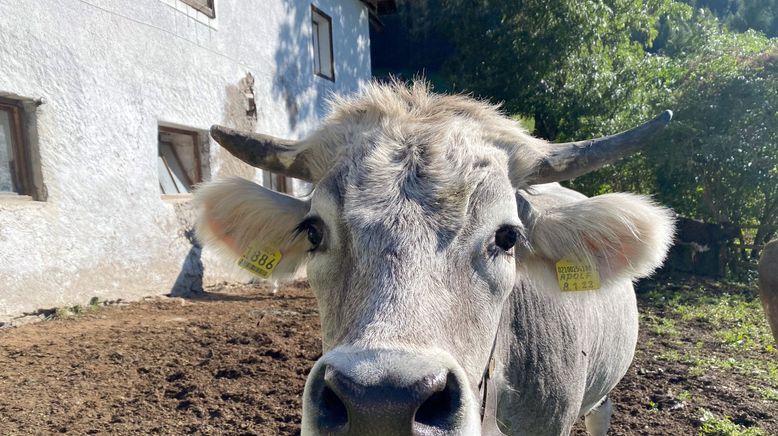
[{"x": 533, "y": 334}]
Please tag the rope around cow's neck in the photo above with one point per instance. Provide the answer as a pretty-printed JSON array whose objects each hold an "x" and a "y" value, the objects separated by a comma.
[{"x": 483, "y": 385}]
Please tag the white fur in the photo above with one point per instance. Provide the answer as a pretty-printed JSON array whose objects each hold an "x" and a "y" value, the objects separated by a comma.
[
  {"x": 598, "y": 419},
  {"x": 768, "y": 284},
  {"x": 414, "y": 111},
  {"x": 626, "y": 235},
  {"x": 411, "y": 188},
  {"x": 234, "y": 212}
]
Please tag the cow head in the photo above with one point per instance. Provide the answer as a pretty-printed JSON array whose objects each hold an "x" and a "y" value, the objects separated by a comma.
[{"x": 413, "y": 240}]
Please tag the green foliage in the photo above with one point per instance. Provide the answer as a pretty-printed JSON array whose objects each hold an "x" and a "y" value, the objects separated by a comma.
[
  {"x": 738, "y": 320},
  {"x": 718, "y": 161},
  {"x": 70, "y": 311},
  {"x": 574, "y": 66},
  {"x": 713, "y": 425},
  {"x": 659, "y": 326},
  {"x": 743, "y": 15},
  {"x": 766, "y": 393},
  {"x": 590, "y": 68}
]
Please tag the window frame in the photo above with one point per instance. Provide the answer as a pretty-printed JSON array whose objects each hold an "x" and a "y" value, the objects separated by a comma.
[
  {"x": 209, "y": 10},
  {"x": 197, "y": 152},
  {"x": 316, "y": 12},
  {"x": 20, "y": 147},
  {"x": 277, "y": 182}
]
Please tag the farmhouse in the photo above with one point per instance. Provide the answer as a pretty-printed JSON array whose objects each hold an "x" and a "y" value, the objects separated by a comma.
[{"x": 104, "y": 114}]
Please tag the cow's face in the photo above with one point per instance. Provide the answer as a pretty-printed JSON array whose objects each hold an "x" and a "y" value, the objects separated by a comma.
[
  {"x": 412, "y": 239},
  {"x": 410, "y": 266}
]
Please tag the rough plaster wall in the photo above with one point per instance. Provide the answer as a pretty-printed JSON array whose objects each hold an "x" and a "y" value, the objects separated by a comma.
[{"x": 110, "y": 71}]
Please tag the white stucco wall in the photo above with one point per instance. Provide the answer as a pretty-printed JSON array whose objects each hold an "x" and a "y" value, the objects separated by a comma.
[{"x": 110, "y": 71}]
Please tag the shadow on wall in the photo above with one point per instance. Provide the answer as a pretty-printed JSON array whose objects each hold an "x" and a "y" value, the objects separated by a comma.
[
  {"x": 303, "y": 94},
  {"x": 190, "y": 280},
  {"x": 354, "y": 48},
  {"x": 292, "y": 61}
]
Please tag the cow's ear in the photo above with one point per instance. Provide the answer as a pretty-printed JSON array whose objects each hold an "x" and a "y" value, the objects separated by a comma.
[
  {"x": 625, "y": 236},
  {"x": 235, "y": 214}
]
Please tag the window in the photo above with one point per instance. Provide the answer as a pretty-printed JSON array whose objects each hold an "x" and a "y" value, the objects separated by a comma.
[
  {"x": 204, "y": 6},
  {"x": 178, "y": 160},
  {"x": 276, "y": 182},
  {"x": 16, "y": 172},
  {"x": 323, "y": 62}
]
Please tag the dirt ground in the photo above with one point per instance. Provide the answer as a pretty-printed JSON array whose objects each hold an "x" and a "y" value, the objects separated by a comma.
[{"x": 235, "y": 360}]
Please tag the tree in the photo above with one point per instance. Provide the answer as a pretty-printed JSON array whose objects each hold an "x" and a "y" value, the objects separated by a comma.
[
  {"x": 721, "y": 152},
  {"x": 718, "y": 161},
  {"x": 743, "y": 15},
  {"x": 595, "y": 67},
  {"x": 572, "y": 66}
]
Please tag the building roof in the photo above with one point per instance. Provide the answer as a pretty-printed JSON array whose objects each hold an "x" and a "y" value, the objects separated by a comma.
[
  {"x": 381, "y": 7},
  {"x": 378, "y": 8}
]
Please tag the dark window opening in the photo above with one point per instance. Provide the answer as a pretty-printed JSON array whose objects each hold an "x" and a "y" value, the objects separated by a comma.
[
  {"x": 16, "y": 157},
  {"x": 179, "y": 161},
  {"x": 204, "y": 6}
]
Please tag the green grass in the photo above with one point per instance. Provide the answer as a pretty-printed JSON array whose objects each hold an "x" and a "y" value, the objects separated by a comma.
[
  {"x": 726, "y": 323},
  {"x": 78, "y": 309},
  {"x": 659, "y": 326},
  {"x": 713, "y": 425},
  {"x": 738, "y": 319},
  {"x": 683, "y": 396},
  {"x": 768, "y": 394},
  {"x": 757, "y": 369}
]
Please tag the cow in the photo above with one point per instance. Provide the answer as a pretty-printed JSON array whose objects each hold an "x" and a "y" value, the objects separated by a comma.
[
  {"x": 433, "y": 241},
  {"x": 768, "y": 284}
]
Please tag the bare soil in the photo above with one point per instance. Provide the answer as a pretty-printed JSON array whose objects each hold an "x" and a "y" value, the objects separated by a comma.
[{"x": 234, "y": 361}]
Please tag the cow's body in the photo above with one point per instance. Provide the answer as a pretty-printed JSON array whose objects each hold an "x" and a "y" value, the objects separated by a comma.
[
  {"x": 426, "y": 240},
  {"x": 768, "y": 284},
  {"x": 552, "y": 372}
]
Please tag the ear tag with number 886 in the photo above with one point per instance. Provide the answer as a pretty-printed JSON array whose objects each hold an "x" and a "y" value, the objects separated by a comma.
[{"x": 260, "y": 260}]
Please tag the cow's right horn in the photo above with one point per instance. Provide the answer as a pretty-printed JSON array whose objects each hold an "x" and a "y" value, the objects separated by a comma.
[
  {"x": 572, "y": 159},
  {"x": 265, "y": 152}
]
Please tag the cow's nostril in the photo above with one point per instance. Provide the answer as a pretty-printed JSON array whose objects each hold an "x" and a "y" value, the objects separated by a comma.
[
  {"x": 440, "y": 409},
  {"x": 333, "y": 414},
  {"x": 383, "y": 392}
]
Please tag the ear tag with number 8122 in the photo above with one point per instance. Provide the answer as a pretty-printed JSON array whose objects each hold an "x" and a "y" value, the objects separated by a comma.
[
  {"x": 574, "y": 275},
  {"x": 260, "y": 260}
]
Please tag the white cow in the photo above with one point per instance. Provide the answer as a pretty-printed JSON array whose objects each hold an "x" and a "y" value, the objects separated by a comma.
[
  {"x": 768, "y": 284},
  {"x": 445, "y": 264}
]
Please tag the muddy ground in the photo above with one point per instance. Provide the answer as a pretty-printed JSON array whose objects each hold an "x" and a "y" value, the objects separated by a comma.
[{"x": 235, "y": 362}]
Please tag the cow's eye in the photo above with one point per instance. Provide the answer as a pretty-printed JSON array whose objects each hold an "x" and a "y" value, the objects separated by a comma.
[
  {"x": 312, "y": 229},
  {"x": 314, "y": 237},
  {"x": 506, "y": 237}
]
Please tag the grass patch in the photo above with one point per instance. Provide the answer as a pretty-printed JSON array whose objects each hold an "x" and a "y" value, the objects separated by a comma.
[
  {"x": 713, "y": 425},
  {"x": 739, "y": 320},
  {"x": 684, "y": 396},
  {"x": 757, "y": 369},
  {"x": 768, "y": 394},
  {"x": 738, "y": 338},
  {"x": 78, "y": 309},
  {"x": 660, "y": 326}
]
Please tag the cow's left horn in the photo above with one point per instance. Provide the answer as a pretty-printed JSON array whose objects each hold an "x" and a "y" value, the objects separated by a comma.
[
  {"x": 572, "y": 159},
  {"x": 264, "y": 151}
]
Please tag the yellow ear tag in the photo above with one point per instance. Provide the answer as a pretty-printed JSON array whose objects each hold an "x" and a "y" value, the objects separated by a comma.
[
  {"x": 260, "y": 260},
  {"x": 574, "y": 275}
]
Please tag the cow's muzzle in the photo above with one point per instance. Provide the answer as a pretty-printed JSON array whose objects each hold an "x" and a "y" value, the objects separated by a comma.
[{"x": 380, "y": 392}]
